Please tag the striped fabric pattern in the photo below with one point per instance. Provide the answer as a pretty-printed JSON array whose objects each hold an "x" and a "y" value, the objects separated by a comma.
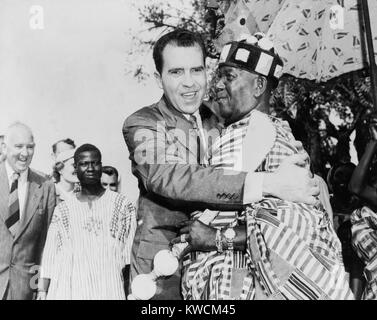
[
  {"x": 227, "y": 149},
  {"x": 208, "y": 275},
  {"x": 294, "y": 251},
  {"x": 364, "y": 241},
  {"x": 87, "y": 248},
  {"x": 13, "y": 217}
]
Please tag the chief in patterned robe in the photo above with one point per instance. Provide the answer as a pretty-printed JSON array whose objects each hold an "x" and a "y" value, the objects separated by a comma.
[{"x": 292, "y": 249}]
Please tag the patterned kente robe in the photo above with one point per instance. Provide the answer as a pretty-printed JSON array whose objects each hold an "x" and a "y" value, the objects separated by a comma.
[{"x": 292, "y": 249}]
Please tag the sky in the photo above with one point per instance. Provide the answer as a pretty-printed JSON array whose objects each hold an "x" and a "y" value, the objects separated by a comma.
[{"x": 63, "y": 72}]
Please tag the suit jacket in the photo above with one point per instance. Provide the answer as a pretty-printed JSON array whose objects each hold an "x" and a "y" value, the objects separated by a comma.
[
  {"x": 172, "y": 184},
  {"x": 20, "y": 256}
]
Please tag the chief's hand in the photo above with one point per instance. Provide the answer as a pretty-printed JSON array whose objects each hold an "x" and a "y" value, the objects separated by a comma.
[
  {"x": 199, "y": 236},
  {"x": 293, "y": 181}
]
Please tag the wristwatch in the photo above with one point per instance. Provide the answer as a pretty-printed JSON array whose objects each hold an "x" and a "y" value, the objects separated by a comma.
[{"x": 229, "y": 235}]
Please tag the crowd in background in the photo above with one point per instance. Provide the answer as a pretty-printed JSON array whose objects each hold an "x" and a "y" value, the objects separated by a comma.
[{"x": 71, "y": 226}]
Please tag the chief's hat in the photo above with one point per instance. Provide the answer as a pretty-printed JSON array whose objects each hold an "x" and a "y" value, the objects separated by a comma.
[{"x": 254, "y": 54}]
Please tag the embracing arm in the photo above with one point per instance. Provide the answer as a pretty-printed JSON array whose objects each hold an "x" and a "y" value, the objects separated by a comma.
[
  {"x": 164, "y": 173},
  {"x": 292, "y": 181}
]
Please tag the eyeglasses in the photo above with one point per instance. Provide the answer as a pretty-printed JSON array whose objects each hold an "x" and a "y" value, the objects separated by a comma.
[{"x": 86, "y": 164}]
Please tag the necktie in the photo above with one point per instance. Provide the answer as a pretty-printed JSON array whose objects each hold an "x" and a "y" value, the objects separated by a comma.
[
  {"x": 13, "y": 217},
  {"x": 200, "y": 139}
]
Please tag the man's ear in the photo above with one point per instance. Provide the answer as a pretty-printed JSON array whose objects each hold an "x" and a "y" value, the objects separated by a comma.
[
  {"x": 157, "y": 76},
  {"x": 261, "y": 86}
]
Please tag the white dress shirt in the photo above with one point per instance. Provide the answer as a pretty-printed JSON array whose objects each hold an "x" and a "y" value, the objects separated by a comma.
[{"x": 22, "y": 186}]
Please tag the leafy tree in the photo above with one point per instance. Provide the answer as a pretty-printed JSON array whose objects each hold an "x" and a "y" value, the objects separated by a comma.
[
  {"x": 160, "y": 17},
  {"x": 323, "y": 115}
]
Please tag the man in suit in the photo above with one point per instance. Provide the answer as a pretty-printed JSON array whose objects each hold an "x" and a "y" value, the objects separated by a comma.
[
  {"x": 167, "y": 142},
  {"x": 27, "y": 201}
]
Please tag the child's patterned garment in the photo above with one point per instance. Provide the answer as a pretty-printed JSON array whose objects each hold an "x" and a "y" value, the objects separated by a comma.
[{"x": 292, "y": 249}]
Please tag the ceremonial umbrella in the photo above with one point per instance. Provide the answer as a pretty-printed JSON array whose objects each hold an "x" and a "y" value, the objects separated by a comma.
[
  {"x": 245, "y": 17},
  {"x": 317, "y": 39},
  {"x": 322, "y": 39}
]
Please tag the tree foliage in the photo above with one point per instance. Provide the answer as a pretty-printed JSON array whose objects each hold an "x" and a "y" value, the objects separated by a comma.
[
  {"x": 323, "y": 115},
  {"x": 160, "y": 17}
]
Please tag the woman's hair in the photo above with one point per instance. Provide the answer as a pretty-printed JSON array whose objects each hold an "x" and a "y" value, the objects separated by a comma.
[
  {"x": 55, "y": 170},
  {"x": 66, "y": 141},
  {"x": 60, "y": 161}
]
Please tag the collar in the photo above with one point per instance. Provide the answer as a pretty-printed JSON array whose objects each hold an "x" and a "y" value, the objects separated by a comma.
[
  {"x": 203, "y": 112},
  {"x": 196, "y": 114},
  {"x": 242, "y": 122},
  {"x": 171, "y": 108},
  {"x": 10, "y": 171}
]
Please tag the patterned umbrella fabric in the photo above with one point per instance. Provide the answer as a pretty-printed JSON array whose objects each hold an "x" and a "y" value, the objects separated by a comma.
[
  {"x": 321, "y": 39},
  {"x": 246, "y": 17}
]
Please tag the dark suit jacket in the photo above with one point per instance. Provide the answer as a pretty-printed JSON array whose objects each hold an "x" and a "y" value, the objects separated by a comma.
[
  {"x": 20, "y": 256},
  {"x": 172, "y": 184}
]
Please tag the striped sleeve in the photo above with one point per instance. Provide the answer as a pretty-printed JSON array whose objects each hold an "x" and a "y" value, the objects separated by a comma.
[
  {"x": 127, "y": 227},
  {"x": 53, "y": 245},
  {"x": 364, "y": 239}
]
